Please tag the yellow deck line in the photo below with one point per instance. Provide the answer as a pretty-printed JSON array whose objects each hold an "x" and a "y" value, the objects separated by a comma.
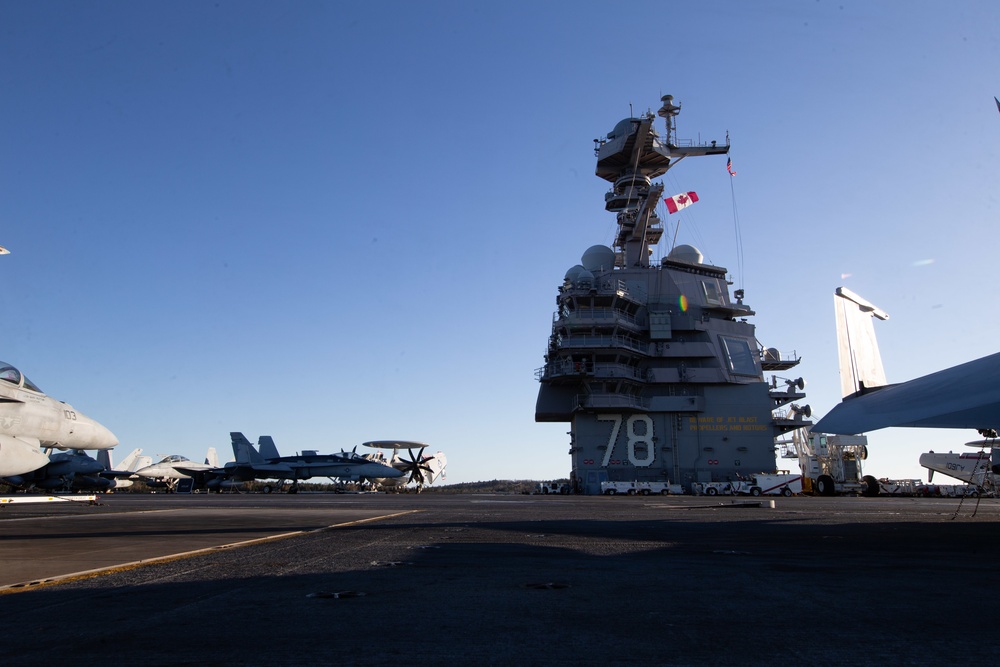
[{"x": 88, "y": 574}]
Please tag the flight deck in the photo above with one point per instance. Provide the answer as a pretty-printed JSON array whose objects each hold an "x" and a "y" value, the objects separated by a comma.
[
  {"x": 43, "y": 544},
  {"x": 493, "y": 579}
]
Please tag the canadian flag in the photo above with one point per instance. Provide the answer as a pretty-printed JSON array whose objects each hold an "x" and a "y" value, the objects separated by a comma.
[{"x": 683, "y": 200}]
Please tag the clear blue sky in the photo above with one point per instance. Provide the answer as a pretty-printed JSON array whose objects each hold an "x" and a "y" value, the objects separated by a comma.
[{"x": 337, "y": 222}]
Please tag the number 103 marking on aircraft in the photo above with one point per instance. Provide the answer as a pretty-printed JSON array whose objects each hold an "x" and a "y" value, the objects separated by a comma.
[{"x": 634, "y": 438}]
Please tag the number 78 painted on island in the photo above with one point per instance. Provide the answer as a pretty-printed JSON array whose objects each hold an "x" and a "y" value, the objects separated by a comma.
[{"x": 633, "y": 438}]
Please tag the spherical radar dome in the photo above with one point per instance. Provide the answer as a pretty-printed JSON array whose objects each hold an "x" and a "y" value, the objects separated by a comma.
[
  {"x": 584, "y": 279},
  {"x": 687, "y": 254},
  {"x": 573, "y": 273},
  {"x": 598, "y": 258}
]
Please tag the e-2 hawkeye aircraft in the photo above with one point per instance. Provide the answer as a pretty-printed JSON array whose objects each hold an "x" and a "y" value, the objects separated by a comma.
[
  {"x": 971, "y": 468},
  {"x": 419, "y": 469},
  {"x": 251, "y": 464},
  {"x": 31, "y": 421}
]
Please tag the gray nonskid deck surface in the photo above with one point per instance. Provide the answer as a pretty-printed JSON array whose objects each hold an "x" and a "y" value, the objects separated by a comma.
[
  {"x": 66, "y": 545},
  {"x": 541, "y": 580}
]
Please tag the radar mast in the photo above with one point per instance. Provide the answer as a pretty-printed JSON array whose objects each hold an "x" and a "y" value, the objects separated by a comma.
[{"x": 629, "y": 157}]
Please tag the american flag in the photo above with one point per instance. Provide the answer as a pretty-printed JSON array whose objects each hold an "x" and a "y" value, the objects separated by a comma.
[{"x": 729, "y": 167}]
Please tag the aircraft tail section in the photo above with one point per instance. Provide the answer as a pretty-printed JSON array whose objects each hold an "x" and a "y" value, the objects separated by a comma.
[
  {"x": 104, "y": 458},
  {"x": 267, "y": 447},
  {"x": 212, "y": 457},
  {"x": 857, "y": 348},
  {"x": 140, "y": 463},
  {"x": 243, "y": 451},
  {"x": 437, "y": 466},
  {"x": 127, "y": 464}
]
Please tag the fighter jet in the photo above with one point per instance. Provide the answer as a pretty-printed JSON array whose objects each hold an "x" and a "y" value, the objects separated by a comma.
[
  {"x": 74, "y": 471},
  {"x": 171, "y": 469},
  {"x": 59, "y": 473},
  {"x": 963, "y": 396},
  {"x": 251, "y": 464},
  {"x": 31, "y": 421}
]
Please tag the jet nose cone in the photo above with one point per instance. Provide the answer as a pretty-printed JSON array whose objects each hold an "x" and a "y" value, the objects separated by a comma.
[
  {"x": 106, "y": 437},
  {"x": 94, "y": 434},
  {"x": 377, "y": 470}
]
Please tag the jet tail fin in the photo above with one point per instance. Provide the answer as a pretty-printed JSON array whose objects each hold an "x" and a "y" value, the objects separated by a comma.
[
  {"x": 857, "y": 348},
  {"x": 267, "y": 447},
  {"x": 104, "y": 458},
  {"x": 212, "y": 457},
  {"x": 126, "y": 463},
  {"x": 140, "y": 463},
  {"x": 243, "y": 450},
  {"x": 437, "y": 466}
]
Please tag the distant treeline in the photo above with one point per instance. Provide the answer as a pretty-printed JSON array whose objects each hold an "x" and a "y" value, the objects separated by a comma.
[
  {"x": 505, "y": 486},
  {"x": 492, "y": 486}
]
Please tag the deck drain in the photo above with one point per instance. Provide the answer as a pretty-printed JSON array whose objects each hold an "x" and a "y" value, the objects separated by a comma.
[
  {"x": 547, "y": 586},
  {"x": 390, "y": 563},
  {"x": 337, "y": 596}
]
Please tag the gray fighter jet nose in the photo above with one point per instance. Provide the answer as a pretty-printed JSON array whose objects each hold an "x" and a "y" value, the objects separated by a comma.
[
  {"x": 93, "y": 434},
  {"x": 378, "y": 470},
  {"x": 104, "y": 435}
]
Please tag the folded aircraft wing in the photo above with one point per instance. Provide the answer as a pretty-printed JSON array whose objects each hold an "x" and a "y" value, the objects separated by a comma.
[{"x": 963, "y": 396}]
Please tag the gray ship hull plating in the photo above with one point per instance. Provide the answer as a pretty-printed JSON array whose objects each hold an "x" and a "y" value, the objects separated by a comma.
[{"x": 656, "y": 367}]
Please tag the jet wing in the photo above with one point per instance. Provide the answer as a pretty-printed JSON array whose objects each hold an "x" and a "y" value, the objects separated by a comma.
[{"x": 963, "y": 396}]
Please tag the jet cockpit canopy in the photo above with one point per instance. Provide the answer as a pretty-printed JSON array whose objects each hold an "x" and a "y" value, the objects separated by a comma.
[{"x": 10, "y": 374}]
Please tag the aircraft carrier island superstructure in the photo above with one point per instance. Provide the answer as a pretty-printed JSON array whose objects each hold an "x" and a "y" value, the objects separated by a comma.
[{"x": 655, "y": 365}]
